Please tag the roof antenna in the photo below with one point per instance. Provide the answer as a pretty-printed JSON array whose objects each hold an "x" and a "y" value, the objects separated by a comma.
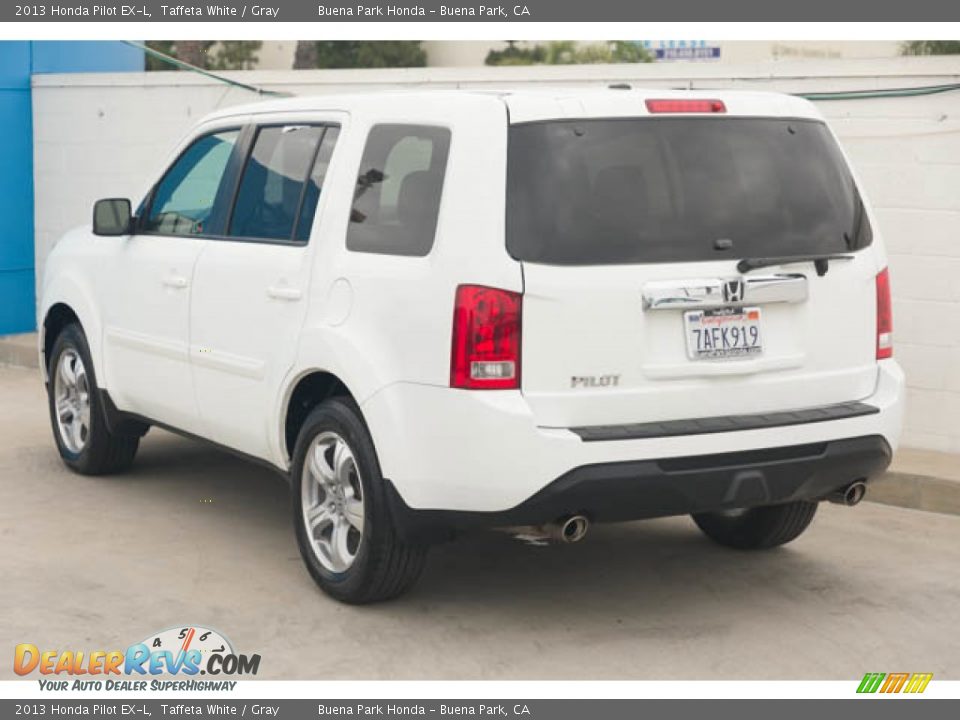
[{"x": 620, "y": 86}]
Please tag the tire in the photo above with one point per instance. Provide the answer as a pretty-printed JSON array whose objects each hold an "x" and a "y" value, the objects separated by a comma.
[
  {"x": 92, "y": 449},
  {"x": 758, "y": 528},
  {"x": 352, "y": 564}
]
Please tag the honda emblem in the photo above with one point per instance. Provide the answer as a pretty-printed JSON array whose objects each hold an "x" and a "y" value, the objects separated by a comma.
[{"x": 733, "y": 290}]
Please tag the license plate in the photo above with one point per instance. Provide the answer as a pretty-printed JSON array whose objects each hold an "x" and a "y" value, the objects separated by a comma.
[{"x": 723, "y": 334}]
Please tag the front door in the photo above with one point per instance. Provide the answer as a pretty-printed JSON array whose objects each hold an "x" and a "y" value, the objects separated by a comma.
[{"x": 147, "y": 300}]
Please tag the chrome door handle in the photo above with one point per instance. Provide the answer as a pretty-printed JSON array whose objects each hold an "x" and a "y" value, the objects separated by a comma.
[
  {"x": 282, "y": 292},
  {"x": 177, "y": 282}
]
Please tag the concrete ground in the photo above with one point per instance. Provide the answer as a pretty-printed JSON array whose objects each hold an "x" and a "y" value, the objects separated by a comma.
[{"x": 195, "y": 536}]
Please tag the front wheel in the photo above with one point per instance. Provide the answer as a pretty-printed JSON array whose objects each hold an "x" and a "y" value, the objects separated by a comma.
[
  {"x": 757, "y": 528},
  {"x": 343, "y": 524},
  {"x": 83, "y": 439}
]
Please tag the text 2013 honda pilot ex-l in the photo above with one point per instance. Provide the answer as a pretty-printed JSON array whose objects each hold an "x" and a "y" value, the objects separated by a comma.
[{"x": 527, "y": 310}]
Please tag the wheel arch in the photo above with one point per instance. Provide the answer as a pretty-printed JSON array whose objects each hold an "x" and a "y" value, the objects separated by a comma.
[
  {"x": 70, "y": 279},
  {"x": 307, "y": 390},
  {"x": 58, "y": 316},
  {"x": 63, "y": 304}
]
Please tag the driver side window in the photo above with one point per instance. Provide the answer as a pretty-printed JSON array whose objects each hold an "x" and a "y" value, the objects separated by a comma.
[{"x": 183, "y": 201}]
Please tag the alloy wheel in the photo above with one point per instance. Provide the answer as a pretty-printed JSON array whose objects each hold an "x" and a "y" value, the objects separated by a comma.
[
  {"x": 72, "y": 401},
  {"x": 332, "y": 502}
]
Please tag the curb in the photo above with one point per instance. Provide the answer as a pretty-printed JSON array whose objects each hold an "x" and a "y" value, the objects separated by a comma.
[
  {"x": 916, "y": 492},
  {"x": 19, "y": 351}
]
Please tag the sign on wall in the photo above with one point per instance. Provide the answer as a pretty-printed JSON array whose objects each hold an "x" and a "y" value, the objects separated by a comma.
[{"x": 669, "y": 50}]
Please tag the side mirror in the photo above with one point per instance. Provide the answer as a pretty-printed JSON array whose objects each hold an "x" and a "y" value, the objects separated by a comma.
[{"x": 112, "y": 217}]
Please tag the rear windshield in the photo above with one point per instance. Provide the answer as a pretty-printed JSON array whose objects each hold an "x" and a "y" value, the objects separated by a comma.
[{"x": 617, "y": 191}]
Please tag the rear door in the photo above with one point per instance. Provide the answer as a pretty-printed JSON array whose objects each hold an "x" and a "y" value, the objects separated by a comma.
[
  {"x": 630, "y": 231},
  {"x": 251, "y": 285}
]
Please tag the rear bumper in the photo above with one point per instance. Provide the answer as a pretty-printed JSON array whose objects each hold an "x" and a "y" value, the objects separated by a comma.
[
  {"x": 482, "y": 452},
  {"x": 622, "y": 491}
]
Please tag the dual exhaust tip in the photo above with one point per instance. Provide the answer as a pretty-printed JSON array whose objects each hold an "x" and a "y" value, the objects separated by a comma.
[{"x": 573, "y": 528}]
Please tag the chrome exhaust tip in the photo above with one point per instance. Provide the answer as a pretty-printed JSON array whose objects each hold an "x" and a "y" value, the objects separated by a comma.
[
  {"x": 851, "y": 495},
  {"x": 573, "y": 529},
  {"x": 569, "y": 529}
]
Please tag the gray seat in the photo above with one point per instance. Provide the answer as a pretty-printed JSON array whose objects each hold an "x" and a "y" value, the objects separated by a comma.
[{"x": 417, "y": 201}]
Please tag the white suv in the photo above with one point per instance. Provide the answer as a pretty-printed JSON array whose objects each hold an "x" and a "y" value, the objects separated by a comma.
[{"x": 528, "y": 310}]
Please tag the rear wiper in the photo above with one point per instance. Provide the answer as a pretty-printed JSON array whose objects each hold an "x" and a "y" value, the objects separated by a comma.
[{"x": 820, "y": 262}]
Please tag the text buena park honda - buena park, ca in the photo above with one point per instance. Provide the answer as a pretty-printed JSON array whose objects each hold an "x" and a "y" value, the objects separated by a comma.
[
  {"x": 263, "y": 11},
  {"x": 419, "y": 11},
  {"x": 417, "y": 709}
]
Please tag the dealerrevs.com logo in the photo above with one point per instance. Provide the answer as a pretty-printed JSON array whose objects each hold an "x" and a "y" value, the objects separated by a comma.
[{"x": 181, "y": 651}]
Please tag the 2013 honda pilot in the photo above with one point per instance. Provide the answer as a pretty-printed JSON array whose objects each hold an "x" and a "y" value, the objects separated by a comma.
[{"x": 531, "y": 310}]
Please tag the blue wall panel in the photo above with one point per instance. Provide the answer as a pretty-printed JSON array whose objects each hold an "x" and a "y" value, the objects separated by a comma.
[
  {"x": 18, "y": 61},
  {"x": 15, "y": 65},
  {"x": 16, "y": 190},
  {"x": 17, "y": 305},
  {"x": 71, "y": 56},
  {"x": 16, "y": 181}
]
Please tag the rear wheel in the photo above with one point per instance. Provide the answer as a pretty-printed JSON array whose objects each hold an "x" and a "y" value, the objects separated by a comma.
[
  {"x": 343, "y": 524},
  {"x": 757, "y": 528},
  {"x": 83, "y": 439}
]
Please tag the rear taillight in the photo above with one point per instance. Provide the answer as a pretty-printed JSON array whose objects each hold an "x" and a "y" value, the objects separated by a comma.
[
  {"x": 884, "y": 316},
  {"x": 686, "y": 106},
  {"x": 486, "y": 339}
]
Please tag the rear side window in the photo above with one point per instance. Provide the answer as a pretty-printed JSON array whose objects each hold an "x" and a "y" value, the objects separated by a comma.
[
  {"x": 639, "y": 190},
  {"x": 281, "y": 182},
  {"x": 184, "y": 199},
  {"x": 397, "y": 197}
]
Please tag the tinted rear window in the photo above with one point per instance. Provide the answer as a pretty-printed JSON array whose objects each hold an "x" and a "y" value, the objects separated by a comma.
[
  {"x": 598, "y": 192},
  {"x": 397, "y": 197}
]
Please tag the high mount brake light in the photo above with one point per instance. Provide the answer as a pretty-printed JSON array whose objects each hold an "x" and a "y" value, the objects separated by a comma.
[
  {"x": 686, "y": 106},
  {"x": 884, "y": 316},
  {"x": 486, "y": 339}
]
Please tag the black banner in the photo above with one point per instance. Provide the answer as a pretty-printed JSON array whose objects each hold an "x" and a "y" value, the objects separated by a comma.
[{"x": 300, "y": 11}]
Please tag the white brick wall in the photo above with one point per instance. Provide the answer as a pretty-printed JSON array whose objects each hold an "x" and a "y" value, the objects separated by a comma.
[{"x": 108, "y": 135}]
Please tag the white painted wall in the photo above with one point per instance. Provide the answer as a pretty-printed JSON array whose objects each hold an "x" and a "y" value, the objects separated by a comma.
[
  {"x": 109, "y": 135},
  {"x": 278, "y": 54}
]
